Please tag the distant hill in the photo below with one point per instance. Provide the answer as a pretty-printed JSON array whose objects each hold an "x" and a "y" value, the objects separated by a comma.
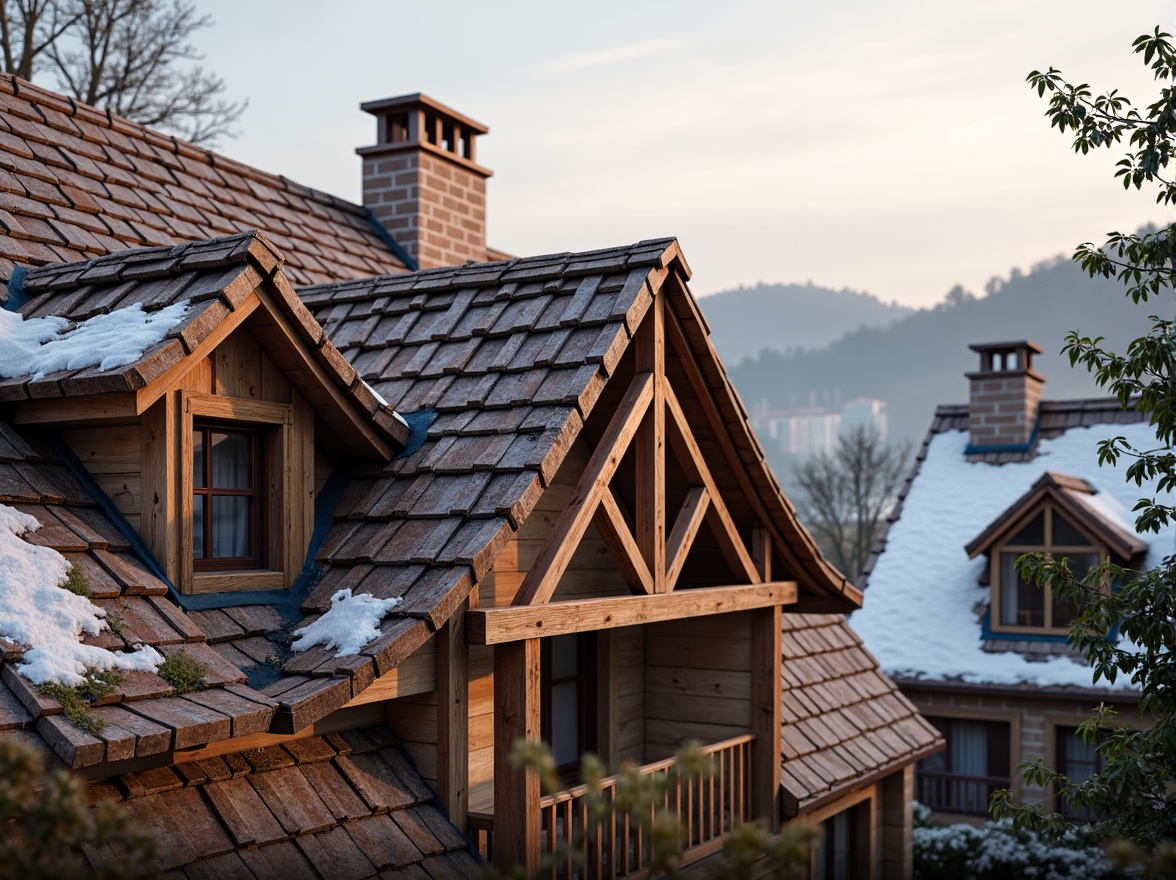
[
  {"x": 780, "y": 317},
  {"x": 920, "y": 360}
]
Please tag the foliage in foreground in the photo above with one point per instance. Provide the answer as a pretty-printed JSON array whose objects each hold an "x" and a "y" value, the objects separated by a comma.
[
  {"x": 47, "y": 822},
  {"x": 748, "y": 851},
  {"x": 999, "y": 851},
  {"x": 1135, "y": 791}
]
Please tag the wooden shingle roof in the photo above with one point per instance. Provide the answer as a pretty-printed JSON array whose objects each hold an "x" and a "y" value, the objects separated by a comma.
[
  {"x": 843, "y": 722},
  {"x": 214, "y": 278},
  {"x": 345, "y": 805},
  {"x": 78, "y": 183}
]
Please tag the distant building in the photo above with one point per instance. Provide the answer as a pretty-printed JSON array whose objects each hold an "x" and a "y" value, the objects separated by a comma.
[
  {"x": 813, "y": 430},
  {"x": 983, "y": 653}
]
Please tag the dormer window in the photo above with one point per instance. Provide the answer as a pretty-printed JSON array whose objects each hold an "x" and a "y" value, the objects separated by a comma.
[
  {"x": 1062, "y": 517},
  {"x": 1021, "y": 605}
]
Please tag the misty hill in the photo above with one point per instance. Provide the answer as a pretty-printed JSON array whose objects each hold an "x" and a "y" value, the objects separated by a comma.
[
  {"x": 919, "y": 361},
  {"x": 785, "y": 316}
]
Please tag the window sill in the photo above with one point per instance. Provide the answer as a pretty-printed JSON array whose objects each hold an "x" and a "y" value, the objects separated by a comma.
[{"x": 237, "y": 581}]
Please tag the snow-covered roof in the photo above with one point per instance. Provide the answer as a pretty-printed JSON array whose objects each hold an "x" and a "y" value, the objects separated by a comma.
[{"x": 919, "y": 616}]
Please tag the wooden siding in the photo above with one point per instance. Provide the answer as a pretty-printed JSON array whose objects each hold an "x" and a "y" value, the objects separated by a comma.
[
  {"x": 114, "y": 456},
  {"x": 697, "y": 681}
]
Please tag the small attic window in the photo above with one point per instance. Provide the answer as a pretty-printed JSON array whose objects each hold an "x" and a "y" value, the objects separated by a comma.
[
  {"x": 227, "y": 471},
  {"x": 236, "y": 481},
  {"x": 1023, "y": 607}
]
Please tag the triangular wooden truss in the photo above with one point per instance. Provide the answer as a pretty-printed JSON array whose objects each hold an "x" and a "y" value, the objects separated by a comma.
[{"x": 650, "y": 561}]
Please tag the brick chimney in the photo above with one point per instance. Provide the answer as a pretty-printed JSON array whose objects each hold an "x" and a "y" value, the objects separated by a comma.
[
  {"x": 1005, "y": 392},
  {"x": 421, "y": 180}
]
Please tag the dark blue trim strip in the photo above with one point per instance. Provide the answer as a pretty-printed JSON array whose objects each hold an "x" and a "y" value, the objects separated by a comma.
[
  {"x": 386, "y": 237},
  {"x": 16, "y": 294},
  {"x": 419, "y": 422}
]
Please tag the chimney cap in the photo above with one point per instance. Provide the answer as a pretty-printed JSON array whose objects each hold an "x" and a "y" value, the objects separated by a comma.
[
  {"x": 384, "y": 106},
  {"x": 982, "y": 347}
]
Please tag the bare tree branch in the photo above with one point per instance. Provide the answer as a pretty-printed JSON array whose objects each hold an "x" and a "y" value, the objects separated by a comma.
[
  {"x": 843, "y": 497},
  {"x": 132, "y": 57}
]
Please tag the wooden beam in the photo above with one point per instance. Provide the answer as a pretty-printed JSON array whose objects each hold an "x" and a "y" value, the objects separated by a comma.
[
  {"x": 691, "y": 460},
  {"x": 850, "y": 597},
  {"x": 766, "y": 658},
  {"x": 614, "y": 529},
  {"x": 686, "y": 526},
  {"x": 516, "y": 791},
  {"x": 650, "y": 449},
  {"x": 512, "y": 623},
  {"x": 543, "y": 576},
  {"x": 97, "y": 409},
  {"x": 761, "y": 551},
  {"x": 453, "y": 723}
]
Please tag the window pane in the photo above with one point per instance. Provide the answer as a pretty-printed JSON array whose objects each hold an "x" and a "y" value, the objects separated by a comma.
[
  {"x": 1079, "y": 759},
  {"x": 565, "y": 723},
  {"x": 198, "y": 527},
  {"x": 565, "y": 657},
  {"x": 198, "y": 458},
  {"x": 1033, "y": 533},
  {"x": 231, "y": 526},
  {"x": 1066, "y": 535},
  {"x": 1021, "y": 603},
  {"x": 232, "y": 467}
]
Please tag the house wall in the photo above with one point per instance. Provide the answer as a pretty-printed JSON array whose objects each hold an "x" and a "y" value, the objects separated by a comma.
[
  {"x": 697, "y": 681},
  {"x": 1033, "y": 722}
]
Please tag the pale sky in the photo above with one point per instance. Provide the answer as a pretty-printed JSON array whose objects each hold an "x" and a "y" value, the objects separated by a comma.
[{"x": 887, "y": 147}]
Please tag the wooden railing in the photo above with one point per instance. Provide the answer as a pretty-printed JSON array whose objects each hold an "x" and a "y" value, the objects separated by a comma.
[
  {"x": 706, "y": 808},
  {"x": 952, "y": 793}
]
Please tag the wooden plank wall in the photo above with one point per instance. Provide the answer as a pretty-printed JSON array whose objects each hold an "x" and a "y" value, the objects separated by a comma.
[
  {"x": 629, "y": 711},
  {"x": 697, "y": 681},
  {"x": 114, "y": 456}
]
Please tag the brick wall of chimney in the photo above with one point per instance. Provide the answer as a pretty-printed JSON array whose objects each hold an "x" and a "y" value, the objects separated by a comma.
[
  {"x": 434, "y": 208},
  {"x": 1003, "y": 408}
]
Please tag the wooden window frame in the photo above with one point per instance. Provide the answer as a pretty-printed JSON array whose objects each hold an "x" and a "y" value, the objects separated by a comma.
[
  {"x": 257, "y": 519},
  {"x": 273, "y": 423},
  {"x": 1048, "y": 510}
]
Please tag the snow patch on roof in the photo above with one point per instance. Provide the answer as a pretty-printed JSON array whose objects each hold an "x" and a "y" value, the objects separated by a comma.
[
  {"x": 349, "y": 624},
  {"x": 918, "y": 616},
  {"x": 36, "y": 611},
  {"x": 43, "y": 345}
]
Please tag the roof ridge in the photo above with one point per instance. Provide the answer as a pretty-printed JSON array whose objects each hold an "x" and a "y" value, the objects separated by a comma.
[{"x": 165, "y": 261}]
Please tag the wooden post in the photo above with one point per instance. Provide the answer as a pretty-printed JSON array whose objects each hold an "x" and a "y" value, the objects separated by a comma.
[
  {"x": 651, "y": 447},
  {"x": 453, "y": 723},
  {"x": 897, "y": 825},
  {"x": 765, "y": 714},
  {"x": 516, "y": 792}
]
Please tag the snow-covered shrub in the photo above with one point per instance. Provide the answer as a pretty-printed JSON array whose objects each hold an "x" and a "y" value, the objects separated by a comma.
[{"x": 997, "y": 851}]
